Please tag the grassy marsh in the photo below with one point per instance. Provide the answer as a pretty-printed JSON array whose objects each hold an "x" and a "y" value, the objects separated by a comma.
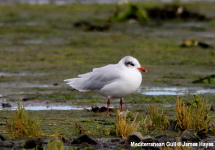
[{"x": 41, "y": 42}]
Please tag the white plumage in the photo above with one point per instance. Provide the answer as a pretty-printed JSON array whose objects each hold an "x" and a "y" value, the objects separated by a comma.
[{"x": 112, "y": 81}]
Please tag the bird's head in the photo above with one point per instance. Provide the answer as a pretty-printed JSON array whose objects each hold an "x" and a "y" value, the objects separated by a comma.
[{"x": 131, "y": 62}]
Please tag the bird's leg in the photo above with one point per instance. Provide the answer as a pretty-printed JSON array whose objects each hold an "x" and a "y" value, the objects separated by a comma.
[
  {"x": 108, "y": 102},
  {"x": 121, "y": 104}
]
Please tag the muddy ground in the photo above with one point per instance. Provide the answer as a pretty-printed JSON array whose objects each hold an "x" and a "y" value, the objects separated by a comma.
[{"x": 40, "y": 47}]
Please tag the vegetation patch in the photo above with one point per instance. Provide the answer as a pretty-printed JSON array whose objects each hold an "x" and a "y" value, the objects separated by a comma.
[
  {"x": 23, "y": 125},
  {"x": 194, "y": 116},
  {"x": 158, "y": 120},
  {"x": 123, "y": 128}
]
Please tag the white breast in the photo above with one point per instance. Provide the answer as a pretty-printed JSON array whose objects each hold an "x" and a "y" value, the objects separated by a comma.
[{"x": 128, "y": 82}]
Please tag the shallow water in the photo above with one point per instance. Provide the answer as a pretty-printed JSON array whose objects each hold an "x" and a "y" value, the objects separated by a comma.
[
  {"x": 20, "y": 74},
  {"x": 48, "y": 41},
  {"x": 46, "y": 108},
  {"x": 38, "y": 105},
  {"x": 174, "y": 90},
  {"x": 41, "y": 105},
  {"x": 56, "y": 106}
]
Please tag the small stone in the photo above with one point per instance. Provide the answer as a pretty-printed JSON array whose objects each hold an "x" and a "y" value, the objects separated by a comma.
[
  {"x": 64, "y": 139},
  {"x": 135, "y": 137},
  {"x": 55, "y": 84},
  {"x": 85, "y": 138},
  {"x": 2, "y": 137},
  {"x": 212, "y": 108},
  {"x": 187, "y": 135},
  {"x": 33, "y": 143},
  {"x": 28, "y": 98},
  {"x": 6, "y": 105}
]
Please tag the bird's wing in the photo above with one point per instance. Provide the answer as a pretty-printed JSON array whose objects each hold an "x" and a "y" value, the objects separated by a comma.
[{"x": 96, "y": 79}]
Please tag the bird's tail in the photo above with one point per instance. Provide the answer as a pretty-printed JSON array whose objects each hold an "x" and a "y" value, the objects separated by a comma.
[{"x": 76, "y": 83}]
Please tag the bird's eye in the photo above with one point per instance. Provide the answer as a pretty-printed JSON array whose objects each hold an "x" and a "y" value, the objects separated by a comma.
[{"x": 129, "y": 63}]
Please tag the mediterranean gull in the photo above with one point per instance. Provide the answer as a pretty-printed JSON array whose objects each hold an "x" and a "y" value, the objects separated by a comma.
[{"x": 111, "y": 81}]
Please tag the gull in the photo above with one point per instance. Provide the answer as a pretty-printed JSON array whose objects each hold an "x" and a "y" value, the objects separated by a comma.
[{"x": 111, "y": 81}]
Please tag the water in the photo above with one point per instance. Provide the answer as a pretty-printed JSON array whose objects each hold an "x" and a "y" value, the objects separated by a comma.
[
  {"x": 41, "y": 105},
  {"x": 174, "y": 90},
  {"x": 35, "y": 105},
  {"x": 46, "y": 108},
  {"x": 20, "y": 74},
  {"x": 48, "y": 41}
]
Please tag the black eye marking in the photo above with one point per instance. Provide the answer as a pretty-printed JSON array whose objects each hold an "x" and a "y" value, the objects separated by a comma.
[{"x": 129, "y": 63}]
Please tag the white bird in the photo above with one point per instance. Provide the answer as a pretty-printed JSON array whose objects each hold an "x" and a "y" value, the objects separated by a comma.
[{"x": 111, "y": 81}]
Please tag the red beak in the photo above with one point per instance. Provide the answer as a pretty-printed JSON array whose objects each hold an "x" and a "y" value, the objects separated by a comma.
[{"x": 142, "y": 69}]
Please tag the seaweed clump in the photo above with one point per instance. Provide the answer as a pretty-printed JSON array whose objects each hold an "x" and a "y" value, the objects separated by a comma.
[
  {"x": 175, "y": 11},
  {"x": 132, "y": 12},
  {"x": 166, "y": 12}
]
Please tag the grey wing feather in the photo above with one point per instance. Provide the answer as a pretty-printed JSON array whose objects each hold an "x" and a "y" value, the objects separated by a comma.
[{"x": 96, "y": 79}]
